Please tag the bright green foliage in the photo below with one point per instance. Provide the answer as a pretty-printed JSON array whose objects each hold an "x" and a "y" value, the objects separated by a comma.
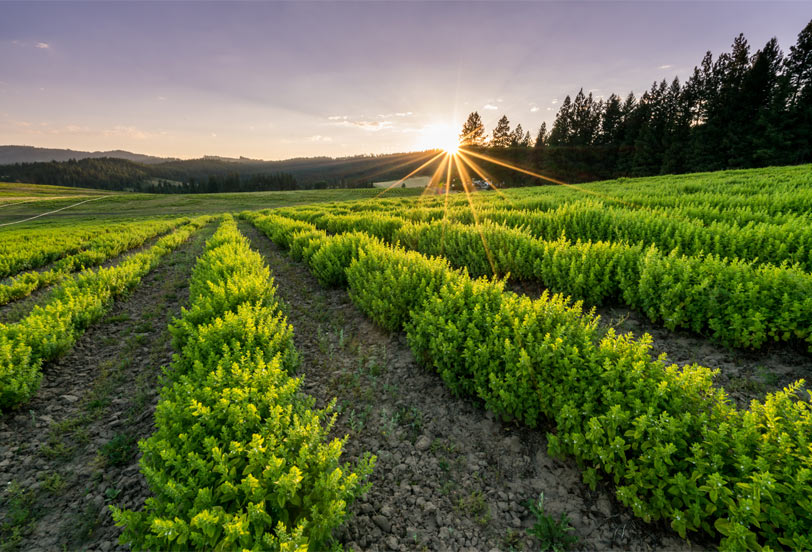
[
  {"x": 51, "y": 329},
  {"x": 388, "y": 284},
  {"x": 99, "y": 249},
  {"x": 24, "y": 249},
  {"x": 666, "y": 436},
  {"x": 735, "y": 302},
  {"x": 240, "y": 458}
]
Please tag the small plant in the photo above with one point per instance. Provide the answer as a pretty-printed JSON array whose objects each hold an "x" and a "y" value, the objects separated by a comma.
[
  {"x": 53, "y": 483},
  {"x": 118, "y": 450},
  {"x": 512, "y": 540},
  {"x": 111, "y": 493},
  {"x": 19, "y": 508},
  {"x": 553, "y": 535}
]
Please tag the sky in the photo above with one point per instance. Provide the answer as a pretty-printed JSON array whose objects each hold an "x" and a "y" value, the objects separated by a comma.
[{"x": 281, "y": 80}]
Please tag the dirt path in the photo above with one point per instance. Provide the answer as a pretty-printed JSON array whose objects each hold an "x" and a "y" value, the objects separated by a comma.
[
  {"x": 72, "y": 450},
  {"x": 745, "y": 375},
  {"x": 450, "y": 476}
]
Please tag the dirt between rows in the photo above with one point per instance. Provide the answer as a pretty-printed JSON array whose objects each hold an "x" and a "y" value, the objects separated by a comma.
[
  {"x": 450, "y": 475},
  {"x": 746, "y": 375},
  {"x": 71, "y": 451}
]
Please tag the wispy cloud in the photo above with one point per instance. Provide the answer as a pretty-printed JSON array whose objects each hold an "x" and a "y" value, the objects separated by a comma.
[
  {"x": 42, "y": 45},
  {"x": 320, "y": 138},
  {"x": 396, "y": 114},
  {"x": 122, "y": 131},
  {"x": 554, "y": 101},
  {"x": 373, "y": 126},
  {"x": 665, "y": 66},
  {"x": 534, "y": 109},
  {"x": 490, "y": 107}
]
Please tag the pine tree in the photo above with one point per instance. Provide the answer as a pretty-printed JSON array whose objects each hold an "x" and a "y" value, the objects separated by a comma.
[
  {"x": 611, "y": 125},
  {"x": 517, "y": 139},
  {"x": 561, "y": 133},
  {"x": 585, "y": 119},
  {"x": 473, "y": 131},
  {"x": 541, "y": 137},
  {"x": 502, "y": 136},
  {"x": 798, "y": 69}
]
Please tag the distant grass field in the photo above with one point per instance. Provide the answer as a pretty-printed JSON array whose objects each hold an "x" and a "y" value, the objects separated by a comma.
[
  {"x": 21, "y": 201},
  {"x": 414, "y": 182}
]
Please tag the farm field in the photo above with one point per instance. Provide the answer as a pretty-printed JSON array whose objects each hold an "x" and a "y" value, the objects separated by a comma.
[{"x": 613, "y": 365}]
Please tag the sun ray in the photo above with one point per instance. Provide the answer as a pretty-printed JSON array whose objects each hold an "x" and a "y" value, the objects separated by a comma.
[
  {"x": 544, "y": 177},
  {"x": 405, "y": 178},
  {"x": 467, "y": 185},
  {"x": 435, "y": 178},
  {"x": 445, "y": 202},
  {"x": 401, "y": 165},
  {"x": 484, "y": 175}
]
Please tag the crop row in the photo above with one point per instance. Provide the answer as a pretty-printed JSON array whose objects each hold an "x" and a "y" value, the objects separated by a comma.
[
  {"x": 669, "y": 440},
  {"x": 764, "y": 243},
  {"x": 736, "y": 302},
  {"x": 25, "y": 249},
  {"x": 98, "y": 250},
  {"x": 240, "y": 458},
  {"x": 52, "y": 328}
]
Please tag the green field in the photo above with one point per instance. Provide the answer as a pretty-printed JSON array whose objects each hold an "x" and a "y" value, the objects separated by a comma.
[
  {"x": 654, "y": 333},
  {"x": 121, "y": 204}
]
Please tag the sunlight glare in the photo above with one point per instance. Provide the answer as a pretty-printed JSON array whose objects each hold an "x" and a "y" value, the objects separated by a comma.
[{"x": 439, "y": 136}]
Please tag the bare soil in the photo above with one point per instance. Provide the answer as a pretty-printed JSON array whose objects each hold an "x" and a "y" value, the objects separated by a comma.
[
  {"x": 71, "y": 451},
  {"x": 450, "y": 475}
]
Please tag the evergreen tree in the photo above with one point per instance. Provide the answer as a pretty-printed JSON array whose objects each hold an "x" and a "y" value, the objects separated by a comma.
[
  {"x": 541, "y": 137},
  {"x": 585, "y": 120},
  {"x": 611, "y": 126},
  {"x": 518, "y": 138},
  {"x": 798, "y": 69},
  {"x": 473, "y": 131},
  {"x": 562, "y": 126},
  {"x": 502, "y": 135}
]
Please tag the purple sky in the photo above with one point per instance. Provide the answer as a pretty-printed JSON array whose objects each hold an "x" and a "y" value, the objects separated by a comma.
[{"x": 280, "y": 80}]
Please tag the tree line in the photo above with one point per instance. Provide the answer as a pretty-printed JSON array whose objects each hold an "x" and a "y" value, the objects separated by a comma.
[
  {"x": 191, "y": 177},
  {"x": 742, "y": 109}
]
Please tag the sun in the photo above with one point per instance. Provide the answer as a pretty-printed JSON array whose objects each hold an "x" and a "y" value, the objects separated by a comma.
[{"x": 439, "y": 136}]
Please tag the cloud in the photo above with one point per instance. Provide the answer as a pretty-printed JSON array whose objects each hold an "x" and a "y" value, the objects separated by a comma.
[
  {"x": 534, "y": 109},
  {"x": 554, "y": 102},
  {"x": 122, "y": 131},
  {"x": 42, "y": 45},
  {"x": 490, "y": 107},
  {"x": 373, "y": 126},
  {"x": 320, "y": 138},
  {"x": 665, "y": 66},
  {"x": 397, "y": 114}
]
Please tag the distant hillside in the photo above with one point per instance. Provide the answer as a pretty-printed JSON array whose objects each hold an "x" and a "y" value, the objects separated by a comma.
[
  {"x": 30, "y": 154},
  {"x": 217, "y": 174}
]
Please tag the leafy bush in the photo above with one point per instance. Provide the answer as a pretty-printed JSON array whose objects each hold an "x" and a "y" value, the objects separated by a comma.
[
  {"x": 668, "y": 438},
  {"x": 240, "y": 458},
  {"x": 51, "y": 329}
]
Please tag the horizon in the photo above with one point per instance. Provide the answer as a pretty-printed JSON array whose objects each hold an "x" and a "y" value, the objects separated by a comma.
[{"x": 282, "y": 81}]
